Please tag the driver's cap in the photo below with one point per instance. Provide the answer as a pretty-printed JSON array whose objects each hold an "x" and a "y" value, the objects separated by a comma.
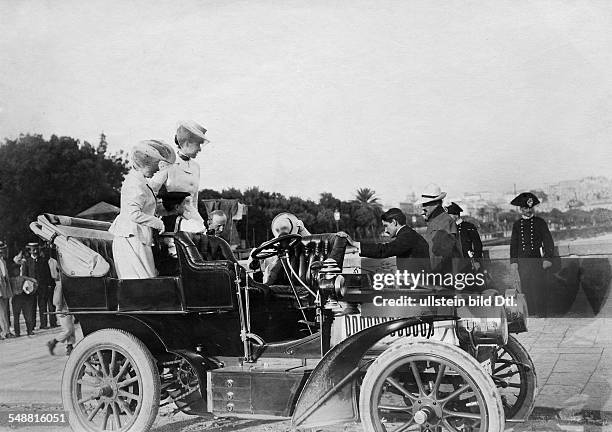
[{"x": 285, "y": 223}]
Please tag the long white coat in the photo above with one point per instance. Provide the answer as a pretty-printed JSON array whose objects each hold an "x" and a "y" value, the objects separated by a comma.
[{"x": 133, "y": 229}]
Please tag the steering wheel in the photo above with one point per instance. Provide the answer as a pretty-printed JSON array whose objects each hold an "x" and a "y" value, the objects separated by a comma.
[{"x": 275, "y": 246}]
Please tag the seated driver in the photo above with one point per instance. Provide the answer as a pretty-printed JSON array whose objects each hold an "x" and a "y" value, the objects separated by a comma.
[{"x": 272, "y": 269}]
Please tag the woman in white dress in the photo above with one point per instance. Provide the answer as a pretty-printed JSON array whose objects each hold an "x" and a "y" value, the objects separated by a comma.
[
  {"x": 133, "y": 227},
  {"x": 183, "y": 175}
]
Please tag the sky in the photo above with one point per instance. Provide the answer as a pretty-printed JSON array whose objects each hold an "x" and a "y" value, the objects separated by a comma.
[{"x": 325, "y": 96}]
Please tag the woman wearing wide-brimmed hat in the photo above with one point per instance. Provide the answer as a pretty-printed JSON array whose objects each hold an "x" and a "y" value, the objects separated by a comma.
[
  {"x": 133, "y": 227},
  {"x": 183, "y": 175}
]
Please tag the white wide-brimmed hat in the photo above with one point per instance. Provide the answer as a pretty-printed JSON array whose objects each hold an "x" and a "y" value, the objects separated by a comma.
[
  {"x": 285, "y": 223},
  {"x": 431, "y": 193},
  {"x": 193, "y": 127}
]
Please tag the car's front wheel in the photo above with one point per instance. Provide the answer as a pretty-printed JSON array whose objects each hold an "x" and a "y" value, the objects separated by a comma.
[
  {"x": 111, "y": 382},
  {"x": 429, "y": 385}
]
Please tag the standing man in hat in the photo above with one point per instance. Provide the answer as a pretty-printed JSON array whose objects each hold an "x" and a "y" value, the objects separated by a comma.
[
  {"x": 441, "y": 234},
  {"x": 36, "y": 266},
  {"x": 5, "y": 294},
  {"x": 409, "y": 247},
  {"x": 184, "y": 174},
  {"x": 471, "y": 245},
  {"x": 24, "y": 295},
  {"x": 531, "y": 251}
]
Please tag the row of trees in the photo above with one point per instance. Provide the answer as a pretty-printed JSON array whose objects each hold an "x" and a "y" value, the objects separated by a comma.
[
  {"x": 65, "y": 176},
  {"x": 60, "y": 175},
  {"x": 359, "y": 217}
]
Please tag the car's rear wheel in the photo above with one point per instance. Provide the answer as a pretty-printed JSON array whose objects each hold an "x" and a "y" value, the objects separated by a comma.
[
  {"x": 111, "y": 382},
  {"x": 429, "y": 385},
  {"x": 515, "y": 377}
]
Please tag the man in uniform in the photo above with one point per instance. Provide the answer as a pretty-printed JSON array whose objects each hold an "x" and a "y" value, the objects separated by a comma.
[
  {"x": 531, "y": 252},
  {"x": 408, "y": 246},
  {"x": 441, "y": 231},
  {"x": 471, "y": 245}
]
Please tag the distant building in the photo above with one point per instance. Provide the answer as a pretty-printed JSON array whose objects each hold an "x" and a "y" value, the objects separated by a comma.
[
  {"x": 409, "y": 206},
  {"x": 592, "y": 192}
]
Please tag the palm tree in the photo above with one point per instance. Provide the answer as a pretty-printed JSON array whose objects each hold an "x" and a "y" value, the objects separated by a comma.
[
  {"x": 370, "y": 211},
  {"x": 367, "y": 197}
]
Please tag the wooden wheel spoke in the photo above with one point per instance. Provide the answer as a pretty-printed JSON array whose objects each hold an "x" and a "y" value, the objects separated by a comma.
[
  {"x": 116, "y": 416},
  {"x": 102, "y": 363},
  {"x": 393, "y": 408},
  {"x": 105, "y": 418},
  {"x": 507, "y": 375},
  {"x": 95, "y": 411},
  {"x": 111, "y": 366},
  {"x": 456, "y": 393},
  {"x": 123, "y": 369},
  {"x": 127, "y": 382},
  {"x": 406, "y": 426},
  {"x": 87, "y": 399},
  {"x": 417, "y": 377},
  {"x": 96, "y": 372},
  {"x": 460, "y": 414},
  {"x": 514, "y": 385},
  {"x": 125, "y": 407},
  {"x": 87, "y": 383},
  {"x": 401, "y": 388},
  {"x": 439, "y": 376},
  {"x": 128, "y": 395}
]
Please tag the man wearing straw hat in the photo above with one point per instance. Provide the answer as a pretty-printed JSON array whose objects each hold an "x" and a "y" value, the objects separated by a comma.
[{"x": 441, "y": 231}]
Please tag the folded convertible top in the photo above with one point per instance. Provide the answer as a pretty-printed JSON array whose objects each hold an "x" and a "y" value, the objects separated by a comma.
[{"x": 75, "y": 258}]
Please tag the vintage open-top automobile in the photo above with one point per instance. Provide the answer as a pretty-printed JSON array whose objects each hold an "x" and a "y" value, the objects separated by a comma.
[{"x": 316, "y": 350}]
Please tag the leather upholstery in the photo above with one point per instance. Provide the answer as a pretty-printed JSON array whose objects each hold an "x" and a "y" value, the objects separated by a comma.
[{"x": 206, "y": 284}]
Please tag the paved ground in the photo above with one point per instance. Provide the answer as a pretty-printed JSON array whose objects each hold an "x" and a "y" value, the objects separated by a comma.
[{"x": 573, "y": 358}]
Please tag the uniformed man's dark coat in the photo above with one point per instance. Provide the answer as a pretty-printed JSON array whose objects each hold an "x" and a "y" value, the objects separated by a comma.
[
  {"x": 528, "y": 236},
  {"x": 470, "y": 239}
]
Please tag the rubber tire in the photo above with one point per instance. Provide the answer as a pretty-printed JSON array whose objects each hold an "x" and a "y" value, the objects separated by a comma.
[
  {"x": 520, "y": 354},
  {"x": 402, "y": 349},
  {"x": 142, "y": 359}
]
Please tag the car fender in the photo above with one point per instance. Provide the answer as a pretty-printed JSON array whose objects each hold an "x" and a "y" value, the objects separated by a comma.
[{"x": 329, "y": 396}]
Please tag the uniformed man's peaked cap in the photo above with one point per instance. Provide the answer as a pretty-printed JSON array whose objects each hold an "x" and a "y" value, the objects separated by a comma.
[
  {"x": 454, "y": 209},
  {"x": 525, "y": 199}
]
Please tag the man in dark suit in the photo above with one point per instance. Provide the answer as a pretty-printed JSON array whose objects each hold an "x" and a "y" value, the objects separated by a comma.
[
  {"x": 531, "y": 251},
  {"x": 36, "y": 266},
  {"x": 471, "y": 245},
  {"x": 408, "y": 246}
]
